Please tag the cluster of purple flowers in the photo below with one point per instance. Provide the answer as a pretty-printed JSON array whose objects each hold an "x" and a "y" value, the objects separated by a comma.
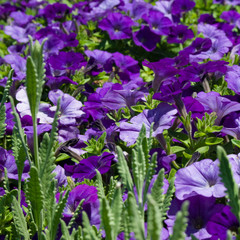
[{"x": 119, "y": 64}]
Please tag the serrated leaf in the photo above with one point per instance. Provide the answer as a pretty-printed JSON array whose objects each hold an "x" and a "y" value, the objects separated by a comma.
[
  {"x": 88, "y": 232},
  {"x": 107, "y": 219},
  {"x": 213, "y": 140},
  {"x": 226, "y": 175},
  {"x": 124, "y": 170},
  {"x": 99, "y": 184},
  {"x": 35, "y": 195},
  {"x": 180, "y": 224},
  {"x": 19, "y": 220},
  {"x": 154, "y": 225},
  {"x": 136, "y": 220}
]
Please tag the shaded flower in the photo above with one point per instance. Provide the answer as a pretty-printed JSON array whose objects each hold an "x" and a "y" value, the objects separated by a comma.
[
  {"x": 179, "y": 34},
  {"x": 181, "y": 6},
  {"x": 146, "y": 38}
]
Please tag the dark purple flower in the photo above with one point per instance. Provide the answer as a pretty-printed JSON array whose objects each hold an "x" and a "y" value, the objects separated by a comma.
[
  {"x": 90, "y": 204},
  {"x": 200, "y": 178},
  {"x": 231, "y": 125},
  {"x": 232, "y": 17},
  {"x": 157, "y": 22},
  {"x": 221, "y": 222},
  {"x": 179, "y": 34},
  {"x": 56, "y": 11},
  {"x": 117, "y": 25},
  {"x": 146, "y": 38},
  {"x": 201, "y": 209},
  {"x": 67, "y": 60},
  {"x": 181, "y": 6},
  {"x": 161, "y": 116},
  {"x": 87, "y": 167}
]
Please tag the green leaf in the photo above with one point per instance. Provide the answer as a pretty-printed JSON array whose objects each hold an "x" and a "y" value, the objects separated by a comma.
[
  {"x": 203, "y": 149},
  {"x": 213, "y": 140},
  {"x": 138, "y": 108},
  {"x": 228, "y": 180},
  {"x": 76, "y": 214},
  {"x": 176, "y": 149},
  {"x": 89, "y": 233},
  {"x": 154, "y": 225},
  {"x": 107, "y": 219},
  {"x": 99, "y": 184},
  {"x": 116, "y": 207},
  {"x": 35, "y": 195},
  {"x": 124, "y": 170},
  {"x": 136, "y": 220},
  {"x": 236, "y": 142},
  {"x": 19, "y": 220},
  {"x": 180, "y": 224}
]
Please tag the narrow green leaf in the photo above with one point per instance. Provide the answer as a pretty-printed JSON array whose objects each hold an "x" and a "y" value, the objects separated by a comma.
[
  {"x": 124, "y": 170},
  {"x": 180, "y": 224},
  {"x": 107, "y": 219},
  {"x": 228, "y": 180},
  {"x": 116, "y": 207},
  {"x": 35, "y": 195},
  {"x": 136, "y": 220},
  {"x": 76, "y": 214},
  {"x": 19, "y": 220},
  {"x": 99, "y": 184},
  {"x": 213, "y": 140},
  {"x": 88, "y": 232},
  {"x": 154, "y": 224},
  {"x": 236, "y": 142}
]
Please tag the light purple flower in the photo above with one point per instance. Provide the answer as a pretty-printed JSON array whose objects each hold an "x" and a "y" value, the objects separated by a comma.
[
  {"x": 69, "y": 107},
  {"x": 200, "y": 178},
  {"x": 161, "y": 116}
]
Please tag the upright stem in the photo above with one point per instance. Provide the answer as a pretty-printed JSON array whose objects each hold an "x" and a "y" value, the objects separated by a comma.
[{"x": 35, "y": 143}]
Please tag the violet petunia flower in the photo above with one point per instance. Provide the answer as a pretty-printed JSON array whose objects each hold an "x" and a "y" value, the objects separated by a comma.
[
  {"x": 213, "y": 102},
  {"x": 146, "y": 38},
  {"x": 60, "y": 176},
  {"x": 182, "y": 6},
  {"x": 86, "y": 168},
  {"x": 233, "y": 78},
  {"x": 201, "y": 209},
  {"x": 200, "y": 178},
  {"x": 117, "y": 25},
  {"x": 179, "y": 34},
  {"x": 69, "y": 107},
  {"x": 221, "y": 222},
  {"x": 7, "y": 161},
  {"x": 157, "y": 22},
  {"x": 90, "y": 204},
  {"x": 162, "y": 117}
]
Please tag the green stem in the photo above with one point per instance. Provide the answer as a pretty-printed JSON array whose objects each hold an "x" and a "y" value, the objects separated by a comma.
[
  {"x": 35, "y": 143},
  {"x": 19, "y": 191}
]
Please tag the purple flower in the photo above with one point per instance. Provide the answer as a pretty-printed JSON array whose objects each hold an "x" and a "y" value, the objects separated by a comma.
[
  {"x": 200, "y": 178},
  {"x": 90, "y": 204},
  {"x": 60, "y": 176},
  {"x": 232, "y": 17},
  {"x": 181, "y": 6},
  {"x": 20, "y": 18},
  {"x": 201, "y": 209},
  {"x": 161, "y": 116},
  {"x": 87, "y": 167},
  {"x": 233, "y": 78},
  {"x": 221, "y": 222},
  {"x": 157, "y": 22},
  {"x": 7, "y": 161},
  {"x": 179, "y": 34},
  {"x": 146, "y": 38},
  {"x": 67, "y": 60},
  {"x": 69, "y": 107},
  {"x": 222, "y": 106},
  {"x": 117, "y": 25}
]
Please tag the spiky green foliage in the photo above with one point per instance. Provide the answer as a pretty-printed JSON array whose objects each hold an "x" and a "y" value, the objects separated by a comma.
[
  {"x": 88, "y": 231},
  {"x": 99, "y": 183},
  {"x": 56, "y": 216},
  {"x": 6, "y": 184},
  {"x": 123, "y": 170},
  {"x": 19, "y": 220},
  {"x": 19, "y": 130},
  {"x": 228, "y": 180},
  {"x": 35, "y": 196},
  {"x": 154, "y": 226},
  {"x": 75, "y": 234},
  {"x": 76, "y": 214},
  {"x": 180, "y": 224},
  {"x": 2, "y": 106},
  {"x": 136, "y": 222}
]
